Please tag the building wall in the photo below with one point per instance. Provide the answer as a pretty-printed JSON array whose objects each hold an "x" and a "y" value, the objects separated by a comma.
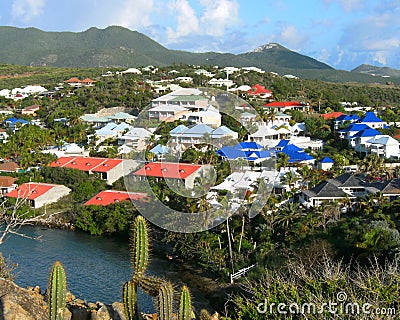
[{"x": 51, "y": 196}]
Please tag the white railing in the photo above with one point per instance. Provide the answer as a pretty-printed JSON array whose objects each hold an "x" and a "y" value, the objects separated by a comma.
[{"x": 240, "y": 273}]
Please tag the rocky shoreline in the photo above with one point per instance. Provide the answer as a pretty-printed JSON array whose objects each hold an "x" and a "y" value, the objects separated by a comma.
[{"x": 30, "y": 304}]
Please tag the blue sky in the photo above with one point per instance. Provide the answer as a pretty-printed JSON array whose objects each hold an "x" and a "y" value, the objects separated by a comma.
[{"x": 343, "y": 33}]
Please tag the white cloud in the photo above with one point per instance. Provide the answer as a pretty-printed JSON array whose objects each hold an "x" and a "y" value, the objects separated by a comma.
[
  {"x": 135, "y": 14},
  {"x": 290, "y": 36},
  {"x": 348, "y": 5},
  {"x": 379, "y": 57},
  {"x": 26, "y": 10},
  {"x": 187, "y": 21},
  {"x": 218, "y": 16}
]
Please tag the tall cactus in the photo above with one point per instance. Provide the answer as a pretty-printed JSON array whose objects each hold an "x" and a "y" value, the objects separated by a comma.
[
  {"x": 129, "y": 299},
  {"x": 185, "y": 304},
  {"x": 57, "y": 292},
  {"x": 140, "y": 246},
  {"x": 165, "y": 300},
  {"x": 150, "y": 285}
]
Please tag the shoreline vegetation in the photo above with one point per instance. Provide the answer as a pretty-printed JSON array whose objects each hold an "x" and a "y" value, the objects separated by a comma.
[{"x": 284, "y": 240}]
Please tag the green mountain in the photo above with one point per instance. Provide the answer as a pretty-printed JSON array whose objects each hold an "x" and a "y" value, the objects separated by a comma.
[
  {"x": 377, "y": 71},
  {"x": 121, "y": 47}
]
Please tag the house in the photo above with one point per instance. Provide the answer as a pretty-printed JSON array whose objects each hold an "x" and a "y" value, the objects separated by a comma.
[
  {"x": 160, "y": 151},
  {"x": 383, "y": 146},
  {"x": 167, "y": 113},
  {"x": 371, "y": 120},
  {"x": 14, "y": 123},
  {"x": 189, "y": 98},
  {"x": 30, "y": 111},
  {"x": 331, "y": 115},
  {"x": 360, "y": 140},
  {"x": 109, "y": 170},
  {"x": 111, "y": 131},
  {"x": 106, "y": 197},
  {"x": 249, "y": 151},
  {"x": 259, "y": 91},
  {"x": 209, "y": 116},
  {"x": 351, "y": 130},
  {"x": 9, "y": 167},
  {"x": 348, "y": 186},
  {"x": 173, "y": 171},
  {"x": 325, "y": 164},
  {"x": 132, "y": 70},
  {"x": 221, "y": 82},
  {"x": 189, "y": 136},
  {"x": 39, "y": 194},
  {"x": 3, "y": 135},
  {"x": 136, "y": 138},
  {"x": 344, "y": 119},
  {"x": 7, "y": 184},
  {"x": 184, "y": 79},
  {"x": 67, "y": 149},
  {"x": 295, "y": 153},
  {"x": 75, "y": 82},
  {"x": 282, "y": 106}
]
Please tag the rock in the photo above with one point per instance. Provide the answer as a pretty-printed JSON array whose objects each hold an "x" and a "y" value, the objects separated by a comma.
[
  {"x": 79, "y": 313},
  {"x": 118, "y": 312},
  {"x": 101, "y": 314},
  {"x": 20, "y": 304}
]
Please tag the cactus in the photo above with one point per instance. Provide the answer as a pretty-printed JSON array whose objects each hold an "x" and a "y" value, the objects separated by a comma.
[
  {"x": 150, "y": 285},
  {"x": 130, "y": 301},
  {"x": 140, "y": 246},
  {"x": 185, "y": 304},
  {"x": 204, "y": 315},
  {"x": 56, "y": 292},
  {"x": 165, "y": 300}
]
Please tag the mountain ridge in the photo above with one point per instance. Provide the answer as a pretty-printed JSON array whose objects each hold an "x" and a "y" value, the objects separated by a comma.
[{"x": 117, "y": 46}]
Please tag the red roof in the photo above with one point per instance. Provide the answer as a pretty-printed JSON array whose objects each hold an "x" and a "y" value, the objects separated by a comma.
[
  {"x": 168, "y": 170},
  {"x": 30, "y": 190},
  {"x": 87, "y": 163},
  {"x": 107, "y": 197},
  {"x": 258, "y": 90},
  {"x": 331, "y": 115},
  {"x": 280, "y": 104},
  {"x": 73, "y": 80},
  {"x": 87, "y": 80}
]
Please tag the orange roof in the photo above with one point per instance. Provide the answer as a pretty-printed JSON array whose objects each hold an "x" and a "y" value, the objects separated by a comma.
[
  {"x": 9, "y": 166},
  {"x": 7, "y": 181},
  {"x": 31, "y": 190},
  {"x": 87, "y": 80},
  {"x": 258, "y": 89},
  {"x": 168, "y": 170},
  {"x": 87, "y": 163},
  {"x": 73, "y": 80},
  {"x": 331, "y": 115},
  {"x": 107, "y": 197}
]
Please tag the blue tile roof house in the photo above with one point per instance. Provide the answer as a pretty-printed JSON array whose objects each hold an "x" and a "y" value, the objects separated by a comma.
[
  {"x": 249, "y": 151},
  {"x": 295, "y": 153},
  {"x": 345, "y": 118},
  {"x": 14, "y": 123},
  {"x": 325, "y": 163},
  {"x": 373, "y": 121}
]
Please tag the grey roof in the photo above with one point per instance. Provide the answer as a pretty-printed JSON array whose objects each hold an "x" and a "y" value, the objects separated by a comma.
[
  {"x": 326, "y": 190},
  {"x": 348, "y": 180}
]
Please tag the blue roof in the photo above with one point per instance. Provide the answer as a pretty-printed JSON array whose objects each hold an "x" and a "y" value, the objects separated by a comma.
[
  {"x": 295, "y": 156},
  {"x": 346, "y": 117},
  {"x": 160, "y": 149},
  {"x": 355, "y": 127},
  {"x": 367, "y": 133},
  {"x": 371, "y": 117},
  {"x": 326, "y": 160},
  {"x": 282, "y": 143},
  {"x": 15, "y": 120},
  {"x": 248, "y": 145},
  {"x": 291, "y": 148},
  {"x": 179, "y": 129},
  {"x": 238, "y": 151}
]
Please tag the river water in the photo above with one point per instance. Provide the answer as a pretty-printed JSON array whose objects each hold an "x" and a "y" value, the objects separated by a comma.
[{"x": 96, "y": 267}]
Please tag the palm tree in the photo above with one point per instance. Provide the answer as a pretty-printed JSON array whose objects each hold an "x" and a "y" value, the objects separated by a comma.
[
  {"x": 288, "y": 214},
  {"x": 290, "y": 178},
  {"x": 283, "y": 160}
]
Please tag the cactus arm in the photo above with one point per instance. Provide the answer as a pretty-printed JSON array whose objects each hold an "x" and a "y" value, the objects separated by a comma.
[
  {"x": 129, "y": 300},
  {"x": 185, "y": 304},
  {"x": 204, "y": 315},
  {"x": 57, "y": 292},
  {"x": 165, "y": 302},
  {"x": 140, "y": 246}
]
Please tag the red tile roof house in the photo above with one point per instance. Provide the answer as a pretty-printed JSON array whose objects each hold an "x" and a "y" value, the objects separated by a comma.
[
  {"x": 39, "y": 194},
  {"x": 282, "y": 106},
  {"x": 171, "y": 170},
  {"x": 31, "y": 110},
  {"x": 259, "y": 91},
  {"x": 7, "y": 184},
  {"x": 106, "y": 197},
  {"x": 9, "y": 167},
  {"x": 108, "y": 169}
]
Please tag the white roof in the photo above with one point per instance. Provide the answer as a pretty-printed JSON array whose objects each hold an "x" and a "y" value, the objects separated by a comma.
[
  {"x": 136, "y": 133},
  {"x": 384, "y": 140},
  {"x": 168, "y": 107}
]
